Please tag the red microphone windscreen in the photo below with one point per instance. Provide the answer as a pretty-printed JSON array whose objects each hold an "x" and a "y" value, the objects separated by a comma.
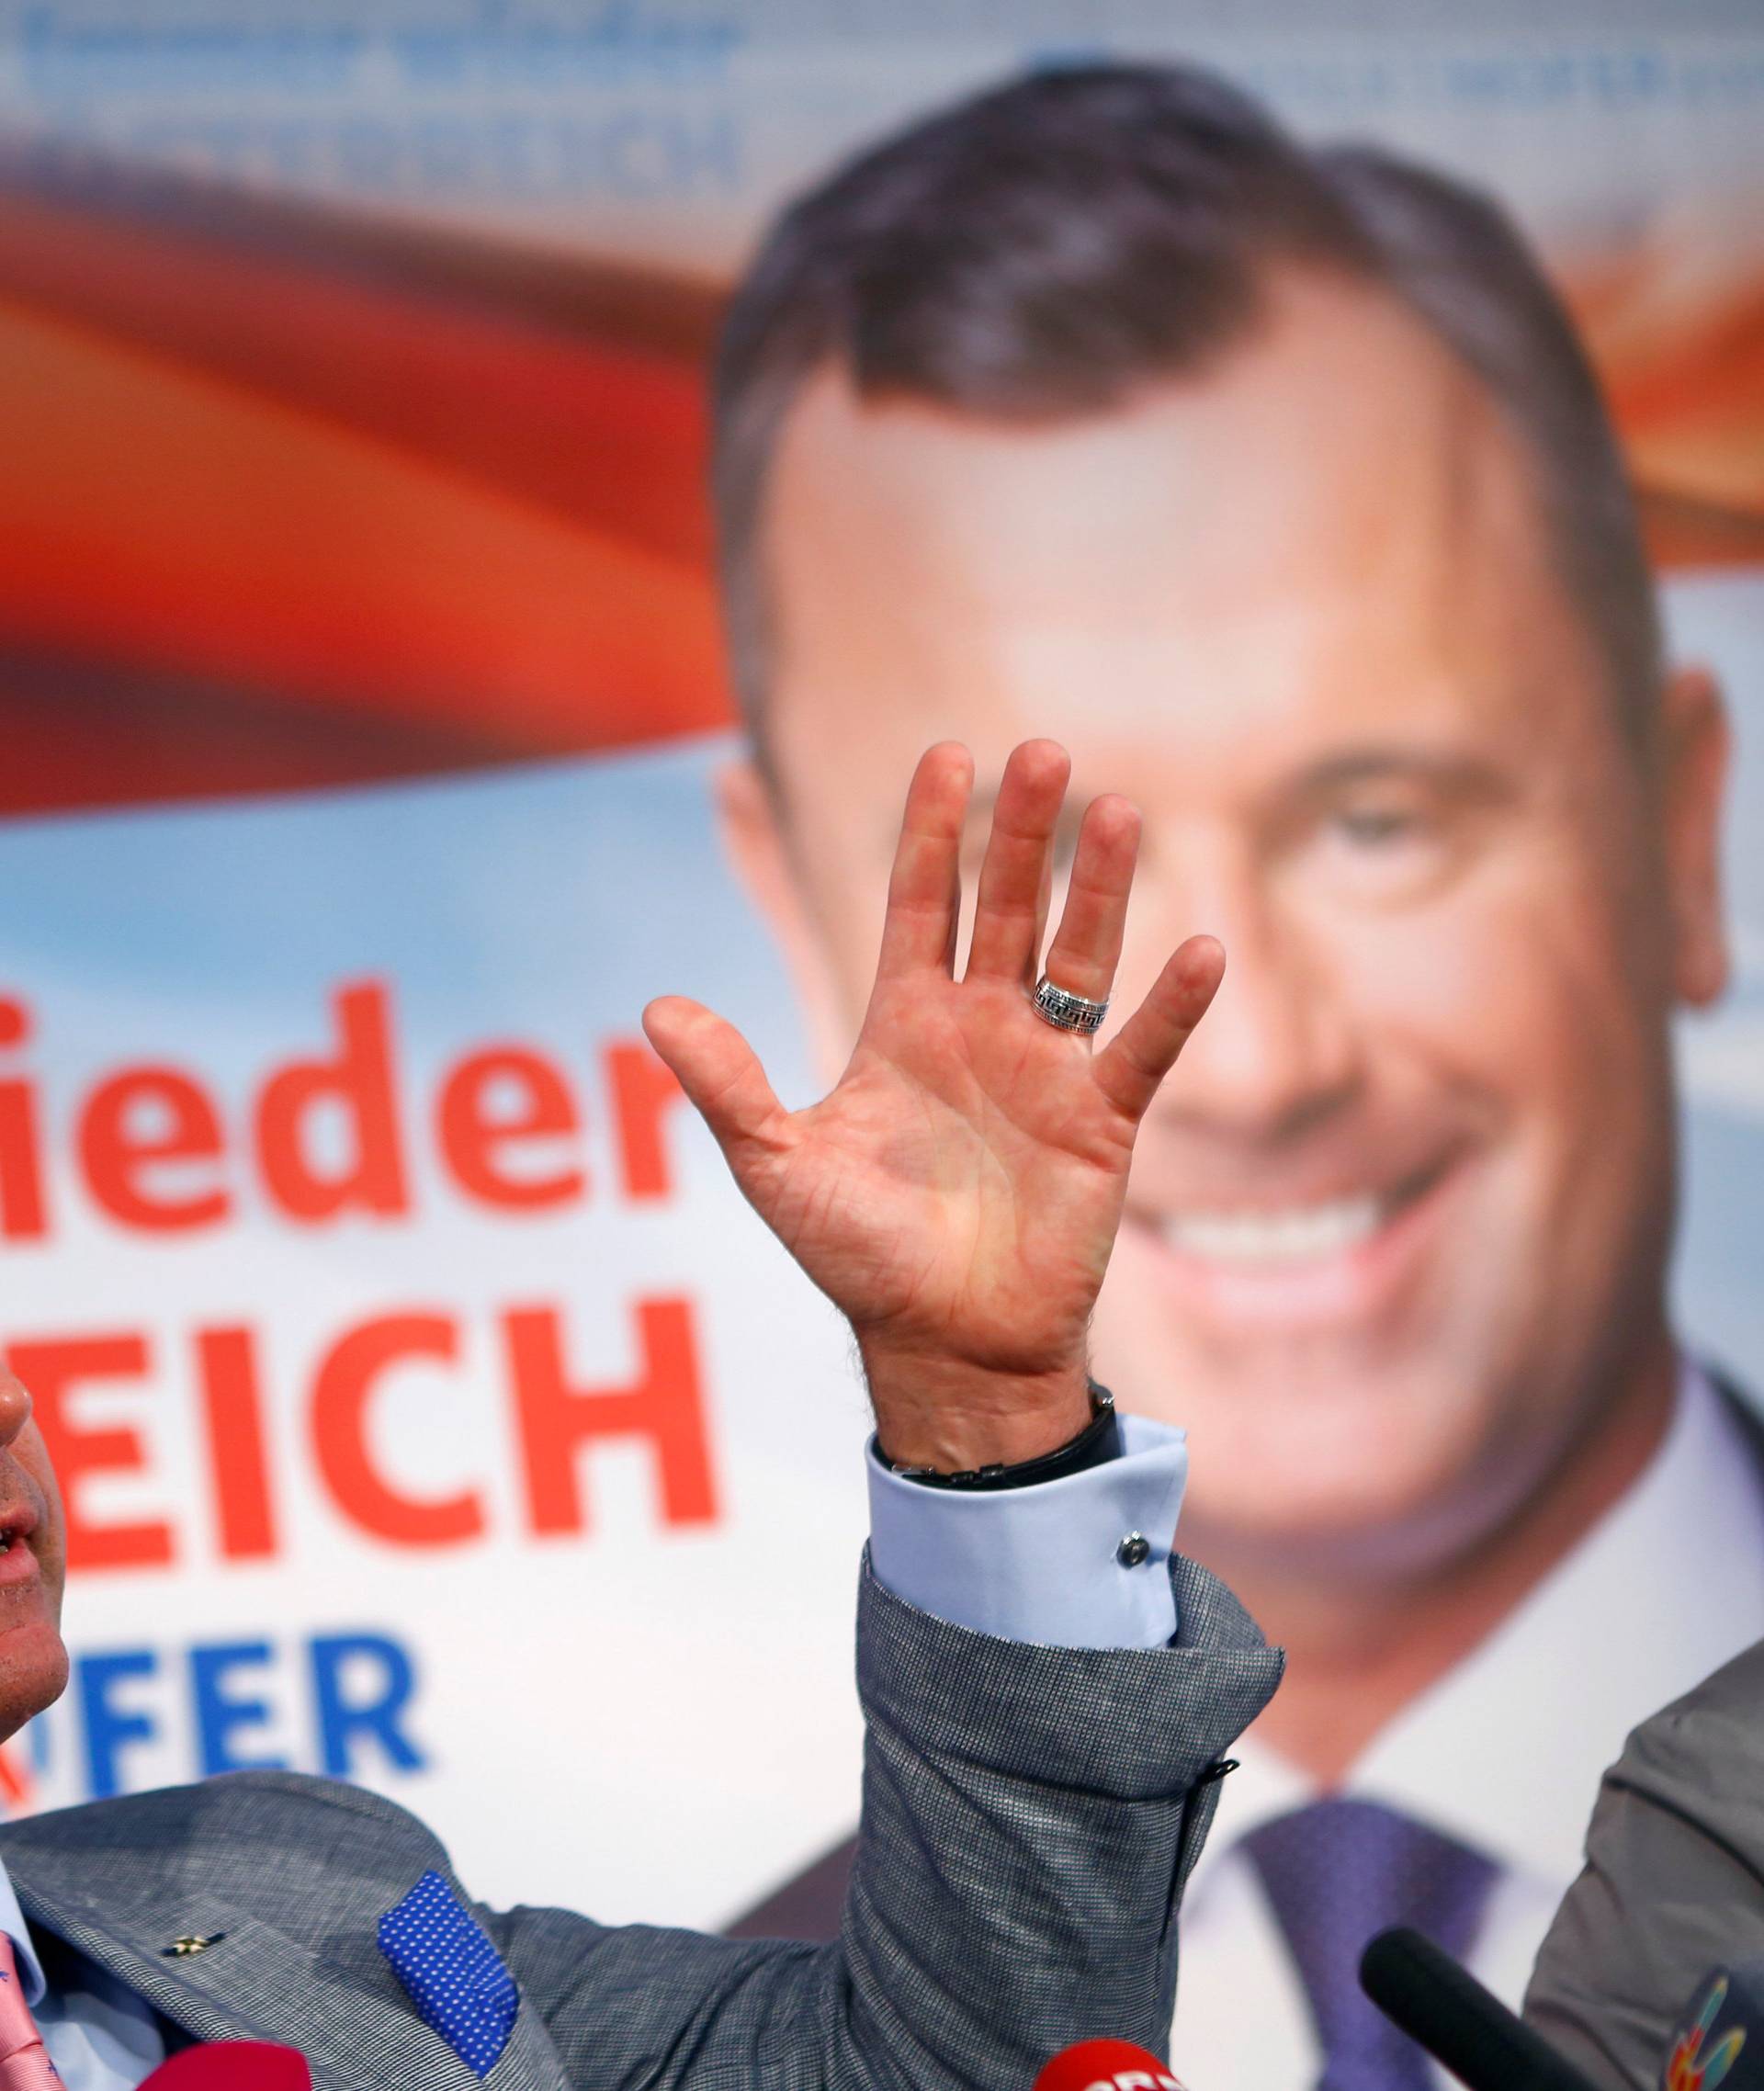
[
  {"x": 231, "y": 2065},
  {"x": 1103, "y": 2065}
]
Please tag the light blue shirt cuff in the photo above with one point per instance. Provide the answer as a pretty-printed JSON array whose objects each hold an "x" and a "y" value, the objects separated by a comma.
[{"x": 1050, "y": 1564}]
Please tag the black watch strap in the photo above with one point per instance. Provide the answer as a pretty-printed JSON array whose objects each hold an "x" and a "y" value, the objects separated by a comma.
[{"x": 1099, "y": 1439}]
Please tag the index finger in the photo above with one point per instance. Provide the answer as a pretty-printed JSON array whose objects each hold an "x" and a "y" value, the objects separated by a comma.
[{"x": 925, "y": 885}]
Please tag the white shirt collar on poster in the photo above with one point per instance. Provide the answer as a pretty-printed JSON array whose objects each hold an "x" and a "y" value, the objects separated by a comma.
[{"x": 1506, "y": 1752}]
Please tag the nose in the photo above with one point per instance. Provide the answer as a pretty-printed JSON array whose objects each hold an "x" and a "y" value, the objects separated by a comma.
[
  {"x": 1277, "y": 1052},
  {"x": 15, "y": 1407}
]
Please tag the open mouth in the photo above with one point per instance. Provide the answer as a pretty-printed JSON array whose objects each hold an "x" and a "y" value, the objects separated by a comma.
[
  {"x": 1277, "y": 1235},
  {"x": 16, "y": 1524}
]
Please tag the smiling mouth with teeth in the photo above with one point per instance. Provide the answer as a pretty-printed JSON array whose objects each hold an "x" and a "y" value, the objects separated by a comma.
[{"x": 1294, "y": 1234}]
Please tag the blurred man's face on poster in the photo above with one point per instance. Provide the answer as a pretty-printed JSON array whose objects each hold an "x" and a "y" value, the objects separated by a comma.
[{"x": 1405, "y": 1201}]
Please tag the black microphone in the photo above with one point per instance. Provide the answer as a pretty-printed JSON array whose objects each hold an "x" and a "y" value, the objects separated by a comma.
[
  {"x": 1446, "y": 2010},
  {"x": 1719, "y": 2038}
]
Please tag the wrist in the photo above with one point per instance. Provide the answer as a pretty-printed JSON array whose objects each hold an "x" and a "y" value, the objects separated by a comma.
[
  {"x": 951, "y": 1416},
  {"x": 1097, "y": 1444}
]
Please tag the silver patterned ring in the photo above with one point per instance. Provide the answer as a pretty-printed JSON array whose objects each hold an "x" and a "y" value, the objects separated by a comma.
[{"x": 1068, "y": 1012}]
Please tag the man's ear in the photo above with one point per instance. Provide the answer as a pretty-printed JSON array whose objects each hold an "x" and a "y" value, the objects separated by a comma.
[
  {"x": 748, "y": 827},
  {"x": 1695, "y": 749}
]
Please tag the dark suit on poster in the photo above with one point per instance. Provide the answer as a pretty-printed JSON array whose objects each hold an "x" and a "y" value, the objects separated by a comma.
[{"x": 1030, "y": 1816}]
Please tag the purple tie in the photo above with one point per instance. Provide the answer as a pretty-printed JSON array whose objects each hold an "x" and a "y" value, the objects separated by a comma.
[{"x": 1338, "y": 1871}]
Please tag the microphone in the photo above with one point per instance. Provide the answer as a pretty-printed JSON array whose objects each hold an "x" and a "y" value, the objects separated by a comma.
[
  {"x": 1101, "y": 2065},
  {"x": 1443, "y": 2008},
  {"x": 1723, "y": 2022},
  {"x": 231, "y": 2065}
]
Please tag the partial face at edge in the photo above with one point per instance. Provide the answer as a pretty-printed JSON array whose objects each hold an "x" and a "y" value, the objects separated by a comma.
[
  {"x": 1406, "y": 1199},
  {"x": 33, "y": 1661}
]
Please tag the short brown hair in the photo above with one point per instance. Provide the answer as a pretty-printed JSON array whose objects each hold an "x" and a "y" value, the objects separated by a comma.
[{"x": 1042, "y": 249}]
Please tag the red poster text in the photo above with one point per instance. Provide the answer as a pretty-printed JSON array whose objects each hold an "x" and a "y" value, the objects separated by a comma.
[
  {"x": 552, "y": 1415},
  {"x": 151, "y": 1147}
]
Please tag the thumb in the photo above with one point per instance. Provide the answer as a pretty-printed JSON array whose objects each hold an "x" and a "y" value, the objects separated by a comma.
[{"x": 719, "y": 1071}]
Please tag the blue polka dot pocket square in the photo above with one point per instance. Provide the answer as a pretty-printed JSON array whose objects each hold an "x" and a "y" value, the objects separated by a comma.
[{"x": 455, "y": 1977}]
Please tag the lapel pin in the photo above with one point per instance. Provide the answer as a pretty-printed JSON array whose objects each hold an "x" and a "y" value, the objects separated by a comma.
[{"x": 191, "y": 1942}]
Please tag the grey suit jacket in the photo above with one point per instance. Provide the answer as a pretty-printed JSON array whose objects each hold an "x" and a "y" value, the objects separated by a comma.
[
  {"x": 1673, "y": 1884},
  {"x": 1674, "y": 1879},
  {"x": 1030, "y": 1816}
]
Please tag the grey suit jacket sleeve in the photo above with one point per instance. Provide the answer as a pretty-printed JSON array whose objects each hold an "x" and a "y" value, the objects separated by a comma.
[
  {"x": 1030, "y": 1816},
  {"x": 1673, "y": 1884}
]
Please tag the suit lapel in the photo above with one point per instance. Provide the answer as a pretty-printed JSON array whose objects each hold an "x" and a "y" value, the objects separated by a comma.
[
  {"x": 1746, "y": 1411},
  {"x": 254, "y": 1982}
]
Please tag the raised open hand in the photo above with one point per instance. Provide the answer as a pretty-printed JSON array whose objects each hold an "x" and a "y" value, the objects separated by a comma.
[{"x": 958, "y": 1193}]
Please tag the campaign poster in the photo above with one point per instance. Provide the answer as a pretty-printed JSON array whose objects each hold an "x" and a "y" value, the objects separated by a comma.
[{"x": 431, "y": 1410}]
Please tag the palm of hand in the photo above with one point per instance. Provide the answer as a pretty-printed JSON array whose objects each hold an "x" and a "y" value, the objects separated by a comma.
[{"x": 962, "y": 1185}]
